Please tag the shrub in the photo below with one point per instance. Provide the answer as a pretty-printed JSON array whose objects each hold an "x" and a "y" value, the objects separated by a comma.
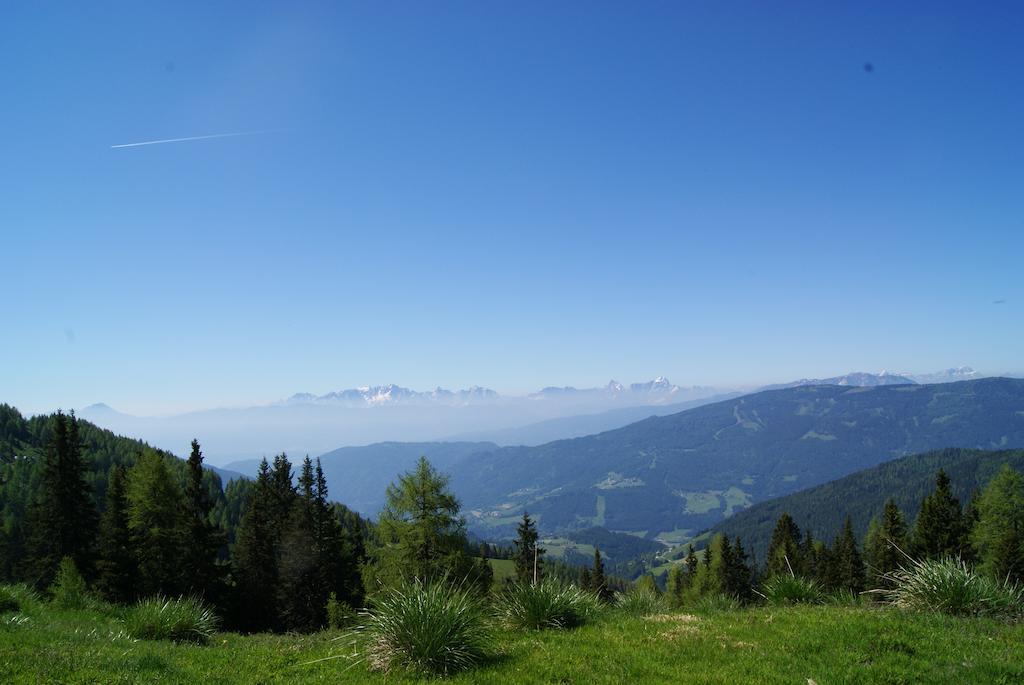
[
  {"x": 788, "y": 589},
  {"x": 69, "y": 590},
  {"x": 547, "y": 604},
  {"x": 951, "y": 586},
  {"x": 640, "y": 602},
  {"x": 185, "y": 619},
  {"x": 715, "y": 603},
  {"x": 339, "y": 614},
  {"x": 9, "y": 601},
  {"x": 437, "y": 629}
]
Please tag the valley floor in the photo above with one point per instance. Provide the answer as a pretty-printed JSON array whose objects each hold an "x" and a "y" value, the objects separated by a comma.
[{"x": 761, "y": 645}]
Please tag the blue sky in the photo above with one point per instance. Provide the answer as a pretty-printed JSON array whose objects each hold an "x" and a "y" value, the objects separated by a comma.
[{"x": 512, "y": 195}]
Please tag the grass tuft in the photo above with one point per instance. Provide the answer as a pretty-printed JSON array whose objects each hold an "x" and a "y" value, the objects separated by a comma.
[
  {"x": 951, "y": 586},
  {"x": 185, "y": 619},
  {"x": 434, "y": 629},
  {"x": 785, "y": 590},
  {"x": 547, "y": 604},
  {"x": 640, "y": 602},
  {"x": 713, "y": 604}
]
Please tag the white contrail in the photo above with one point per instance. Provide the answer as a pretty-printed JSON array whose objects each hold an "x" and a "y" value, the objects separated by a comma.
[{"x": 181, "y": 140}]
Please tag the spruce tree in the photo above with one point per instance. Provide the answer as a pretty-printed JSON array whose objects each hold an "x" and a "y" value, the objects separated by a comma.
[
  {"x": 63, "y": 519},
  {"x": 339, "y": 549},
  {"x": 940, "y": 529},
  {"x": 158, "y": 526},
  {"x": 847, "y": 563},
  {"x": 675, "y": 586},
  {"x": 784, "y": 548},
  {"x": 203, "y": 574},
  {"x": 739, "y": 577},
  {"x": 598, "y": 583},
  {"x": 886, "y": 544},
  {"x": 528, "y": 551},
  {"x": 116, "y": 567},
  {"x": 255, "y": 557},
  {"x": 691, "y": 565},
  {"x": 998, "y": 536},
  {"x": 302, "y": 592}
]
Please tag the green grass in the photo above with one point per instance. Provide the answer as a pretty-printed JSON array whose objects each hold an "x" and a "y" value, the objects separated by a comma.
[{"x": 761, "y": 645}]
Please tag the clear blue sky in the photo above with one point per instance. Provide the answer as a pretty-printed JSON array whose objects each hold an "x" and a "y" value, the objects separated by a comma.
[{"x": 506, "y": 194}]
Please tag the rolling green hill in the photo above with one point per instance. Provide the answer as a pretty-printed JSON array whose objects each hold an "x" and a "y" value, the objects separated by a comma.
[
  {"x": 672, "y": 475},
  {"x": 862, "y": 495}
]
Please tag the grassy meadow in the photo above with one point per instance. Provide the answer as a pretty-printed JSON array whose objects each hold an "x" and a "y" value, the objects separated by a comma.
[{"x": 825, "y": 644}]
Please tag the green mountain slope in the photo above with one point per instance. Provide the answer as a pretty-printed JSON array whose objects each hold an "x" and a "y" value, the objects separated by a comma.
[
  {"x": 685, "y": 472},
  {"x": 862, "y": 495}
]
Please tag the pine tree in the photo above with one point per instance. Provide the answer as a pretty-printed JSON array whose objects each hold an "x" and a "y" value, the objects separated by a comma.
[
  {"x": 847, "y": 568},
  {"x": 998, "y": 536},
  {"x": 157, "y": 525},
  {"x": 784, "y": 549},
  {"x": 203, "y": 575},
  {"x": 940, "y": 529},
  {"x": 419, "y": 533},
  {"x": 255, "y": 556},
  {"x": 886, "y": 544},
  {"x": 302, "y": 593},
  {"x": 528, "y": 558},
  {"x": 116, "y": 567},
  {"x": 63, "y": 519}
]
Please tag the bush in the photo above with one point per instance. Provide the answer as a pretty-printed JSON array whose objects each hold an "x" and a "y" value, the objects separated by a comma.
[
  {"x": 547, "y": 604},
  {"x": 640, "y": 602},
  {"x": 951, "y": 586},
  {"x": 69, "y": 590},
  {"x": 339, "y": 614},
  {"x": 9, "y": 601},
  {"x": 785, "y": 589},
  {"x": 710, "y": 604},
  {"x": 185, "y": 619},
  {"x": 435, "y": 629}
]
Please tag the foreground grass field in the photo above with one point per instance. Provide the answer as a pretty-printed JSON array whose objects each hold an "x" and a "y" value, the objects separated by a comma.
[{"x": 761, "y": 645}]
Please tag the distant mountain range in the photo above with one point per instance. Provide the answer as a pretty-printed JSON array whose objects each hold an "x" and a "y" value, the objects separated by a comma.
[
  {"x": 681, "y": 473},
  {"x": 314, "y": 424}
]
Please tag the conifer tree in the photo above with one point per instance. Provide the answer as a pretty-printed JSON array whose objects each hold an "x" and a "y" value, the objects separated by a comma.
[
  {"x": 675, "y": 586},
  {"x": 847, "y": 565},
  {"x": 598, "y": 583},
  {"x": 116, "y": 567},
  {"x": 63, "y": 520},
  {"x": 419, "y": 533},
  {"x": 691, "y": 565},
  {"x": 784, "y": 548},
  {"x": 738, "y": 575},
  {"x": 302, "y": 592},
  {"x": 339, "y": 549},
  {"x": 203, "y": 574},
  {"x": 998, "y": 536},
  {"x": 529, "y": 555},
  {"x": 255, "y": 556},
  {"x": 940, "y": 529},
  {"x": 157, "y": 525},
  {"x": 886, "y": 544}
]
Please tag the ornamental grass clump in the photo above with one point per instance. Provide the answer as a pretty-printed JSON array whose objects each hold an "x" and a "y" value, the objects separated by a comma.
[
  {"x": 547, "y": 604},
  {"x": 183, "y": 619},
  {"x": 951, "y": 586},
  {"x": 429, "y": 628},
  {"x": 783, "y": 589}
]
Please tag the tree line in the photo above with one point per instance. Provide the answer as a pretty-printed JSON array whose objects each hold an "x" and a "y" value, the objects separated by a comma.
[
  {"x": 288, "y": 558},
  {"x": 988, "y": 533}
]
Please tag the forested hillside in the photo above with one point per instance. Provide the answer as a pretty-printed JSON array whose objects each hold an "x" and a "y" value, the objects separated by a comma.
[
  {"x": 862, "y": 495},
  {"x": 685, "y": 472}
]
